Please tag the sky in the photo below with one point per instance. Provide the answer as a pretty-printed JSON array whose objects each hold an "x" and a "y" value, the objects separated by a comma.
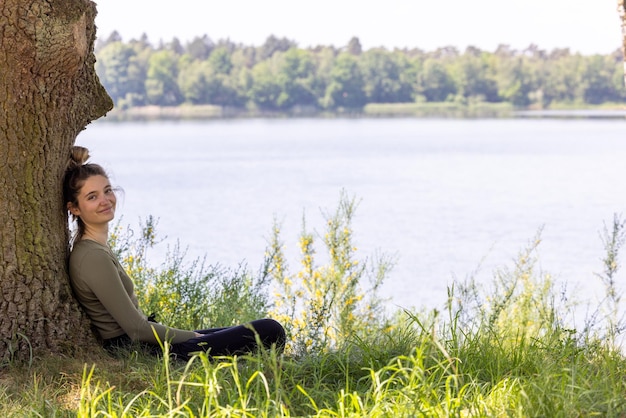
[{"x": 585, "y": 26}]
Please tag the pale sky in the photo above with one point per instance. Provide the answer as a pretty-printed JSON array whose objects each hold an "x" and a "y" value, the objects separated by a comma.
[{"x": 586, "y": 26}]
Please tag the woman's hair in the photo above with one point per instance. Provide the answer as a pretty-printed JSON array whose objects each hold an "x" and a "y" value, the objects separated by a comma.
[{"x": 77, "y": 172}]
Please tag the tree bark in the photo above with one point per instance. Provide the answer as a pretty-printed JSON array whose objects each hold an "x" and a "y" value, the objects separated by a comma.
[{"x": 49, "y": 92}]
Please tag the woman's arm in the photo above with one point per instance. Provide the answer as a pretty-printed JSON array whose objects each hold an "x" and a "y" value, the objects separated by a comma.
[{"x": 99, "y": 271}]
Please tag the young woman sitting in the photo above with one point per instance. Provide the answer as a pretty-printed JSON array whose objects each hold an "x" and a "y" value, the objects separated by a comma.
[{"x": 106, "y": 293}]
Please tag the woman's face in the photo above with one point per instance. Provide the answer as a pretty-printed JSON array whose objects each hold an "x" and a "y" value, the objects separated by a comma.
[{"x": 95, "y": 202}]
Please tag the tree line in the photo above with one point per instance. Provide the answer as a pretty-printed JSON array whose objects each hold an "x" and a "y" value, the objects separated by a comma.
[{"x": 280, "y": 76}]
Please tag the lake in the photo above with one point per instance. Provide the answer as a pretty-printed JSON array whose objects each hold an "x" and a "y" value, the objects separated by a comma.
[{"x": 449, "y": 198}]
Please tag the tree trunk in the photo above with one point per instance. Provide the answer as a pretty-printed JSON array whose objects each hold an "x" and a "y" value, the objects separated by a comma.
[
  {"x": 621, "y": 9},
  {"x": 49, "y": 92}
]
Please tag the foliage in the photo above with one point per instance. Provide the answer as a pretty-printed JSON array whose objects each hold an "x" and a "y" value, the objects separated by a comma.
[
  {"x": 435, "y": 81},
  {"x": 498, "y": 352},
  {"x": 504, "y": 348},
  {"x": 322, "y": 306},
  {"x": 346, "y": 87},
  {"x": 609, "y": 312},
  {"x": 188, "y": 295},
  {"x": 279, "y": 76},
  {"x": 161, "y": 85}
]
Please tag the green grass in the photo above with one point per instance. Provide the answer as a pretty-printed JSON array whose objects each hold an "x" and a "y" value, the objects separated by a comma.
[
  {"x": 481, "y": 375},
  {"x": 497, "y": 350},
  {"x": 459, "y": 108},
  {"x": 440, "y": 109}
]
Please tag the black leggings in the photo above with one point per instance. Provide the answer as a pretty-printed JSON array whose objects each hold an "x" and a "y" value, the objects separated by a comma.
[{"x": 239, "y": 339}]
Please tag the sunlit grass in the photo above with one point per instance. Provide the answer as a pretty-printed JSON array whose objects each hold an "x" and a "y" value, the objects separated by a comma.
[{"x": 503, "y": 349}]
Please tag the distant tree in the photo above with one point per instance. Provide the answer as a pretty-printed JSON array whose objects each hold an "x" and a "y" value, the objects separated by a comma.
[
  {"x": 435, "y": 82},
  {"x": 533, "y": 51},
  {"x": 284, "y": 81},
  {"x": 273, "y": 44},
  {"x": 324, "y": 61},
  {"x": 296, "y": 73},
  {"x": 161, "y": 83},
  {"x": 346, "y": 87},
  {"x": 241, "y": 80},
  {"x": 618, "y": 74},
  {"x": 558, "y": 53},
  {"x": 193, "y": 82},
  {"x": 598, "y": 85},
  {"x": 121, "y": 72},
  {"x": 562, "y": 77},
  {"x": 221, "y": 84},
  {"x": 233, "y": 72},
  {"x": 49, "y": 92},
  {"x": 244, "y": 57},
  {"x": 220, "y": 61},
  {"x": 473, "y": 51},
  {"x": 222, "y": 90},
  {"x": 143, "y": 41},
  {"x": 445, "y": 53},
  {"x": 175, "y": 46},
  {"x": 621, "y": 9},
  {"x": 515, "y": 80},
  {"x": 474, "y": 77},
  {"x": 354, "y": 46},
  {"x": 383, "y": 76},
  {"x": 200, "y": 83},
  {"x": 265, "y": 89},
  {"x": 113, "y": 37},
  {"x": 228, "y": 45},
  {"x": 200, "y": 48},
  {"x": 504, "y": 51}
]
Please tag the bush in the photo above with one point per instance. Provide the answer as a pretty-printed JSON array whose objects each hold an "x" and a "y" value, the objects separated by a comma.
[
  {"x": 188, "y": 295},
  {"x": 504, "y": 349},
  {"x": 324, "y": 306}
]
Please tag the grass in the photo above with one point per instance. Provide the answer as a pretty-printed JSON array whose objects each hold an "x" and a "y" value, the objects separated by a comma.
[
  {"x": 456, "y": 109},
  {"x": 482, "y": 375},
  {"x": 497, "y": 350}
]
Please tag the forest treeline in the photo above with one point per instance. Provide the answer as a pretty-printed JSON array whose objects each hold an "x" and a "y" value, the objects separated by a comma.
[{"x": 280, "y": 76}]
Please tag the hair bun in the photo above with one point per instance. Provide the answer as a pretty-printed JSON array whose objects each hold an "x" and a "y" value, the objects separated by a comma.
[{"x": 79, "y": 156}]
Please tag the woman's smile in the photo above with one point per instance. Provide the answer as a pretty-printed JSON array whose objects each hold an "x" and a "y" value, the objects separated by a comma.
[{"x": 106, "y": 210}]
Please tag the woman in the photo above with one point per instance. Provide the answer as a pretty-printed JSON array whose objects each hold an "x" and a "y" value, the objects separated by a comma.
[{"x": 106, "y": 292}]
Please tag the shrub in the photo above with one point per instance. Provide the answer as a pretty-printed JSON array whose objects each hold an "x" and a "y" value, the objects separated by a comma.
[
  {"x": 188, "y": 295},
  {"x": 323, "y": 306}
]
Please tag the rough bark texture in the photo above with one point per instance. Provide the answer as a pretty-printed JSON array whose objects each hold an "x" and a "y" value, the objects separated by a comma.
[
  {"x": 49, "y": 92},
  {"x": 621, "y": 10}
]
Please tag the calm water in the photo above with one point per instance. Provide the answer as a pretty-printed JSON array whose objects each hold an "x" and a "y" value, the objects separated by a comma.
[{"x": 448, "y": 198}]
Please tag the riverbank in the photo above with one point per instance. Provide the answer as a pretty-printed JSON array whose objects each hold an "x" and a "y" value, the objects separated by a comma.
[{"x": 416, "y": 110}]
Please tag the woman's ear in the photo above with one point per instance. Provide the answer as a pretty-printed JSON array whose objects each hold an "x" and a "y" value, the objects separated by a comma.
[{"x": 73, "y": 209}]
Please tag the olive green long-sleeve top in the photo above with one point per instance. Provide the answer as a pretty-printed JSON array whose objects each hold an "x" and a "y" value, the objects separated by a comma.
[{"x": 107, "y": 294}]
